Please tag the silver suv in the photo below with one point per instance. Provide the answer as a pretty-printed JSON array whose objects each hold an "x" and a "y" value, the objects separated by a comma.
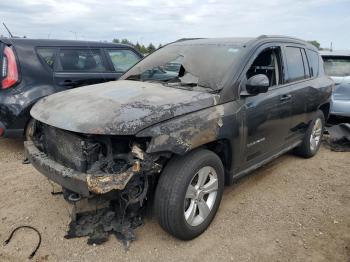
[{"x": 337, "y": 66}]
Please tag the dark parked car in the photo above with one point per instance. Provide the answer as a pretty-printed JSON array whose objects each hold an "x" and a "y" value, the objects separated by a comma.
[
  {"x": 233, "y": 105},
  {"x": 32, "y": 69},
  {"x": 337, "y": 65}
]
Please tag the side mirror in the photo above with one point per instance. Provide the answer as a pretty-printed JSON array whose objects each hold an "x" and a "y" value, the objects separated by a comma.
[{"x": 257, "y": 84}]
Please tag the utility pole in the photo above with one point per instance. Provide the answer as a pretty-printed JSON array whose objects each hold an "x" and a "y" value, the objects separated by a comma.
[{"x": 75, "y": 34}]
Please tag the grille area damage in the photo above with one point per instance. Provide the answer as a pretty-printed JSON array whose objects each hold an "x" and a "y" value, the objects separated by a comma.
[{"x": 114, "y": 173}]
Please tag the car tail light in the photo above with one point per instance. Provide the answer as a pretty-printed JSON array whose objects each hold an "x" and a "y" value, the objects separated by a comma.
[
  {"x": 9, "y": 69},
  {"x": 1, "y": 131}
]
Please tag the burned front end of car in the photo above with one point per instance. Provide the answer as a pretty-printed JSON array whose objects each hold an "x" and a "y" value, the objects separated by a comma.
[
  {"x": 106, "y": 163},
  {"x": 112, "y": 172}
]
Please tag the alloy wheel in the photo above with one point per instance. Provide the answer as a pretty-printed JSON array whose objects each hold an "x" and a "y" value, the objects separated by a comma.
[
  {"x": 316, "y": 134},
  {"x": 201, "y": 196}
]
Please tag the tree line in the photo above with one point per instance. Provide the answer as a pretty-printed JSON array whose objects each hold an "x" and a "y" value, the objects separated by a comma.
[
  {"x": 318, "y": 45},
  {"x": 151, "y": 47},
  {"x": 140, "y": 47}
]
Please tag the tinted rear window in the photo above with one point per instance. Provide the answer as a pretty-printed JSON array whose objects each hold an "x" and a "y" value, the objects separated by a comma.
[
  {"x": 295, "y": 64},
  {"x": 337, "y": 66},
  {"x": 47, "y": 55},
  {"x": 81, "y": 60}
]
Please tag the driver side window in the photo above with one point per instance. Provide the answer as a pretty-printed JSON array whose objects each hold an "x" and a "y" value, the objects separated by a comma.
[{"x": 268, "y": 63}]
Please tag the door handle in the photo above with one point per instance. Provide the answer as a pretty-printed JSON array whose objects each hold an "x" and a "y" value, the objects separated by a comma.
[{"x": 285, "y": 97}]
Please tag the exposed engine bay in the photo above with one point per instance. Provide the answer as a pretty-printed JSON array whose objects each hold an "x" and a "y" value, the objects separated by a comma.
[{"x": 118, "y": 174}]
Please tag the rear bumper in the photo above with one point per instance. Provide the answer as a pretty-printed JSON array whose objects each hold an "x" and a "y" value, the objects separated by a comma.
[
  {"x": 64, "y": 176},
  {"x": 340, "y": 108},
  {"x": 13, "y": 133},
  {"x": 10, "y": 133},
  {"x": 13, "y": 123},
  {"x": 14, "y": 112},
  {"x": 2, "y": 129}
]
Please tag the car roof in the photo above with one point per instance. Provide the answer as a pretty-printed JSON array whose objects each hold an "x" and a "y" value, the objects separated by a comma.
[
  {"x": 245, "y": 40},
  {"x": 335, "y": 53},
  {"x": 57, "y": 42}
]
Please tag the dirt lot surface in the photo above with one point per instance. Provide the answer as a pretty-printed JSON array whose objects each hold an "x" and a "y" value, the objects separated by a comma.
[{"x": 290, "y": 210}]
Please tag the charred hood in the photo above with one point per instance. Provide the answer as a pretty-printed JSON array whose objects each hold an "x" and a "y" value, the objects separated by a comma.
[{"x": 118, "y": 108}]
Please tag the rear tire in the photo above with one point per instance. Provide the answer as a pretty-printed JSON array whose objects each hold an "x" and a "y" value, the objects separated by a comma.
[
  {"x": 313, "y": 137},
  {"x": 188, "y": 193}
]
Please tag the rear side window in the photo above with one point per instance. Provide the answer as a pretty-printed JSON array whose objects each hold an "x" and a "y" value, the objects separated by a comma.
[
  {"x": 122, "y": 59},
  {"x": 81, "y": 60},
  {"x": 47, "y": 55},
  {"x": 313, "y": 59},
  {"x": 295, "y": 64}
]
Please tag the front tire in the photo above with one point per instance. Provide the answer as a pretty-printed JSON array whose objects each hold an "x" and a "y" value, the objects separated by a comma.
[
  {"x": 29, "y": 130},
  {"x": 313, "y": 137},
  {"x": 188, "y": 193}
]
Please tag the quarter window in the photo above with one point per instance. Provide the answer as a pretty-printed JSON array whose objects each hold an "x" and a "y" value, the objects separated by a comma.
[
  {"x": 313, "y": 59},
  {"x": 81, "y": 60},
  {"x": 306, "y": 63},
  {"x": 122, "y": 59},
  {"x": 295, "y": 64},
  {"x": 47, "y": 55}
]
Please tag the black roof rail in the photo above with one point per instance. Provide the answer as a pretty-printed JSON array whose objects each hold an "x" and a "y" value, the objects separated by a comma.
[
  {"x": 261, "y": 36},
  {"x": 187, "y": 39}
]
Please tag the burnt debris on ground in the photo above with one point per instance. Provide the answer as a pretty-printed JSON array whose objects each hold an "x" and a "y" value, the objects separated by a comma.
[
  {"x": 339, "y": 137},
  {"x": 99, "y": 224}
]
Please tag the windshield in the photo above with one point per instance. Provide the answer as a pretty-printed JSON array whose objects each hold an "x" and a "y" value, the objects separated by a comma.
[
  {"x": 180, "y": 64},
  {"x": 337, "y": 66}
]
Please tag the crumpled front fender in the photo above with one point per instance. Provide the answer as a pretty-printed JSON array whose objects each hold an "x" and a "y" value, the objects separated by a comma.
[{"x": 184, "y": 133}]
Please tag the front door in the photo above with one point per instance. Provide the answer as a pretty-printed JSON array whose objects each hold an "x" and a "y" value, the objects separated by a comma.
[{"x": 267, "y": 114}]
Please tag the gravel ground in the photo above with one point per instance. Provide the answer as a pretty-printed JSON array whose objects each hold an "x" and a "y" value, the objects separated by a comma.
[{"x": 289, "y": 210}]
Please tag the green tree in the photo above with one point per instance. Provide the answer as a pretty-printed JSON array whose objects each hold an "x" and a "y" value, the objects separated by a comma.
[
  {"x": 143, "y": 49},
  {"x": 126, "y": 42},
  {"x": 138, "y": 47},
  {"x": 316, "y": 44},
  {"x": 151, "y": 48}
]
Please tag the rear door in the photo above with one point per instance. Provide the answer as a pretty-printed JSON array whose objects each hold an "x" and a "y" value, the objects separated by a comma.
[
  {"x": 79, "y": 66},
  {"x": 303, "y": 89}
]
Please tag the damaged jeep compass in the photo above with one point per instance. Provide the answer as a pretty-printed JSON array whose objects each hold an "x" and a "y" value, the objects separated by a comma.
[{"x": 179, "y": 125}]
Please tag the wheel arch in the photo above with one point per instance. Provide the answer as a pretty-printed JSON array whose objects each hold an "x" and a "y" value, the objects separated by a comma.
[
  {"x": 325, "y": 108},
  {"x": 222, "y": 147}
]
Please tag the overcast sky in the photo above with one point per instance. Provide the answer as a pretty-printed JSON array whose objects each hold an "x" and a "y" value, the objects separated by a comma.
[{"x": 162, "y": 21}]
